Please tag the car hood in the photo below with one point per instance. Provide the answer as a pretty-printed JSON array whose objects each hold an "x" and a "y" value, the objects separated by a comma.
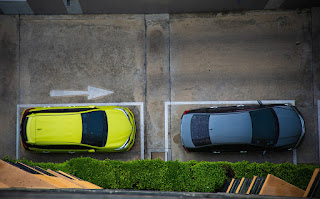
[
  {"x": 119, "y": 128},
  {"x": 185, "y": 129},
  {"x": 290, "y": 127},
  {"x": 57, "y": 128}
]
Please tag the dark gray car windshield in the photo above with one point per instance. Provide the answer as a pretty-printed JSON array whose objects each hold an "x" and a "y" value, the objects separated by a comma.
[
  {"x": 94, "y": 128},
  {"x": 264, "y": 127},
  {"x": 200, "y": 130}
]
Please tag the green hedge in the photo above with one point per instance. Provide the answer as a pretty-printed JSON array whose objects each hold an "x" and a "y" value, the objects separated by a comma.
[{"x": 189, "y": 176}]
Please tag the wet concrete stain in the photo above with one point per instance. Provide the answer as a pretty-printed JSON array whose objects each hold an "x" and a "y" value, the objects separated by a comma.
[
  {"x": 177, "y": 139},
  {"x": 156, "y": 41}
]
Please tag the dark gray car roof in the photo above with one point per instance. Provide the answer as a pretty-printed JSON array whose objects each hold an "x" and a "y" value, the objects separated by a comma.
[
  {"x": 230, "y": 128},
  {"x": 235, "y": 128}
]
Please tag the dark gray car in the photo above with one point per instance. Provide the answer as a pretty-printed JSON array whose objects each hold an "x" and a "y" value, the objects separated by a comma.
[{"x": 242, "y": 128}]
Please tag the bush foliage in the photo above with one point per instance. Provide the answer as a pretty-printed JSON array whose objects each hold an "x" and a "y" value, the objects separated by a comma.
[{"x": 189, "y": 176}]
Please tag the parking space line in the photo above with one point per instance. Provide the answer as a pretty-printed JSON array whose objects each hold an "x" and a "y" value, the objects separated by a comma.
[
  {"x": 166, "y": 118},
  {"x": 140, "y": 104}
]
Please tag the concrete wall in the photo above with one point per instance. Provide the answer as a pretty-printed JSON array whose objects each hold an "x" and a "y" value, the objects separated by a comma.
[{"x": 159, "y": 58}]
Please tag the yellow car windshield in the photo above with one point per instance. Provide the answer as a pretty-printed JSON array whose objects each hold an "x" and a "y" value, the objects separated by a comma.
[{"x": 94, "y": 128}]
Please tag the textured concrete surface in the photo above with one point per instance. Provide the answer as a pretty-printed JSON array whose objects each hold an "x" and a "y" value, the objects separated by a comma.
[
  {"x": 242, "y": 56},
  {"x": 158, "y": 79},
  {"x": 72, "y": 53},
  {"x": 159, "y": 58},
  {"x": 316, "y": 66},
  {"x": 9, "y": 60}
]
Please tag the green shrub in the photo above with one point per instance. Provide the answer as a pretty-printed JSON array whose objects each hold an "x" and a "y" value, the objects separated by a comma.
[
  {"x": 208, "y": 176},
  {"x": 159, "y": 175},
  {"x": 298, "y": 175}
]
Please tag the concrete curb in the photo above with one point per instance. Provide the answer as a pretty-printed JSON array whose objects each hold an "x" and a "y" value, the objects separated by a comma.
[{"x": 24, "y": 191}]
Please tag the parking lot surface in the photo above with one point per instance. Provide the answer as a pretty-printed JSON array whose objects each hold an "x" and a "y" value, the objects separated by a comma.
[{"x": 156, "y": 61}]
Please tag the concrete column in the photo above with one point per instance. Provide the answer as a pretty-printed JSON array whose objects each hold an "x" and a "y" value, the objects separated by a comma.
[
  {"x": 9, "y": 56},
  {"x": 158, "y": 81}
]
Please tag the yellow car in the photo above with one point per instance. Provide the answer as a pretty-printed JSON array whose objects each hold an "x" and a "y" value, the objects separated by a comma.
[{"x": 77, "y": 129}]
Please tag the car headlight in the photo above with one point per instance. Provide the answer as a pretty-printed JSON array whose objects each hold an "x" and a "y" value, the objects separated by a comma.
[
  {"x": 124, "y": 145},
  {"x": 303, "y": 131},
  {"x": 125, "y": 112}
]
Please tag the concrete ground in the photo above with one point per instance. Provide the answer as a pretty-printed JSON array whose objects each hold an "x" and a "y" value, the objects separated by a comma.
[{"x": 160, "y": 59}]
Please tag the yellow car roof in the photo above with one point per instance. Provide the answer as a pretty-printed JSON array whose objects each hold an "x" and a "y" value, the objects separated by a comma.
[{"x": 58, "y": 128}]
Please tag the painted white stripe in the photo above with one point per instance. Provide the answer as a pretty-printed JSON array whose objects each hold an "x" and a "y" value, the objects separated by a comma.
[
  {"x": 166, "y": 127},
  {"x": 17, "y": 132},
  {"x": 232, "y": 102},
  {"x": 83, "y": 104},
  {"x": 141, "y": 130},
  {"x": 167, "y": 104},
  {"x": 140, "y": 104},
  {"x": 294, "y": 154}
]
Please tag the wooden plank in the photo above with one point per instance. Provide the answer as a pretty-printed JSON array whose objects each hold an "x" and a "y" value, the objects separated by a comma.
[
  {"x": 312, "y": 180},
  {"x": 275, "y": 186}
]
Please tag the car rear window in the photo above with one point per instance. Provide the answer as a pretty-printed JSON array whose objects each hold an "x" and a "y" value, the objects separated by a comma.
[
  {"x": 264, "y": 127},
  {"x": 94, "y": 128},
  {"x": 200, "y": 130}
]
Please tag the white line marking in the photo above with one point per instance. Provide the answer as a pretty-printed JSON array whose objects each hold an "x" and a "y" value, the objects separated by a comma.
[
  {"x": 92, "y": 93},
  {"x": 166, "y": 127},
  {"x": 17, "y": 132},
  {"x": 141, "y": 130},
  {"x": 167, "y": 104},
  {"x": 294, "y": 154},
  {"x": 140, "y": 104}
]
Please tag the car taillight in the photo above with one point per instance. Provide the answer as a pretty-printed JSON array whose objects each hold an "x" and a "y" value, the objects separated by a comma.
[
  {"x": 186, "y": 149},
  {"x": 26, "y": 112},
  {"x": 25, "y": 146},
  {"x": 130, "y": 148},
  {"x": 186, "y": 112}
]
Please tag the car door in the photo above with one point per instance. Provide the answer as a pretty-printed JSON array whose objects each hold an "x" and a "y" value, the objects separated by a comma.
[{"x": 62, "y": 148}]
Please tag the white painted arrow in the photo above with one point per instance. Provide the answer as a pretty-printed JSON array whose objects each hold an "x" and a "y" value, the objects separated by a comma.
[{"x": 92, "y": 92}]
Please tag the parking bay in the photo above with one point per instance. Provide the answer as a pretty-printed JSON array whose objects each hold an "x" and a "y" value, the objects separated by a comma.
[{"x": 208, "y": 58}]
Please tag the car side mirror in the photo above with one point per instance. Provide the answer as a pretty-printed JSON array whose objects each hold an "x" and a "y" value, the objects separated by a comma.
[
  {"x": 264, "y": 152},
  {"x": 91, "y": 150}
]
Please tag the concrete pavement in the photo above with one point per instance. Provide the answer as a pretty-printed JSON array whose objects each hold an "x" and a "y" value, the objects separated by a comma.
[{"x": 153, "y": 59}]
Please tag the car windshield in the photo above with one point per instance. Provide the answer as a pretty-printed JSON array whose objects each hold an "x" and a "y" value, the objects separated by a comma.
[
  {"x": 94, "y": 128},
  {"x": 200, "y": 130},
  {"x": 264, "y": 127}
]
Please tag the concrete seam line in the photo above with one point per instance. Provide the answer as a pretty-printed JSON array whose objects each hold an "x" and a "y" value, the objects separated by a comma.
[
  {"x": 140, "y": 104},
  {"x": 167, "y": 104},
  {"x": 145, "y": 64}
]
